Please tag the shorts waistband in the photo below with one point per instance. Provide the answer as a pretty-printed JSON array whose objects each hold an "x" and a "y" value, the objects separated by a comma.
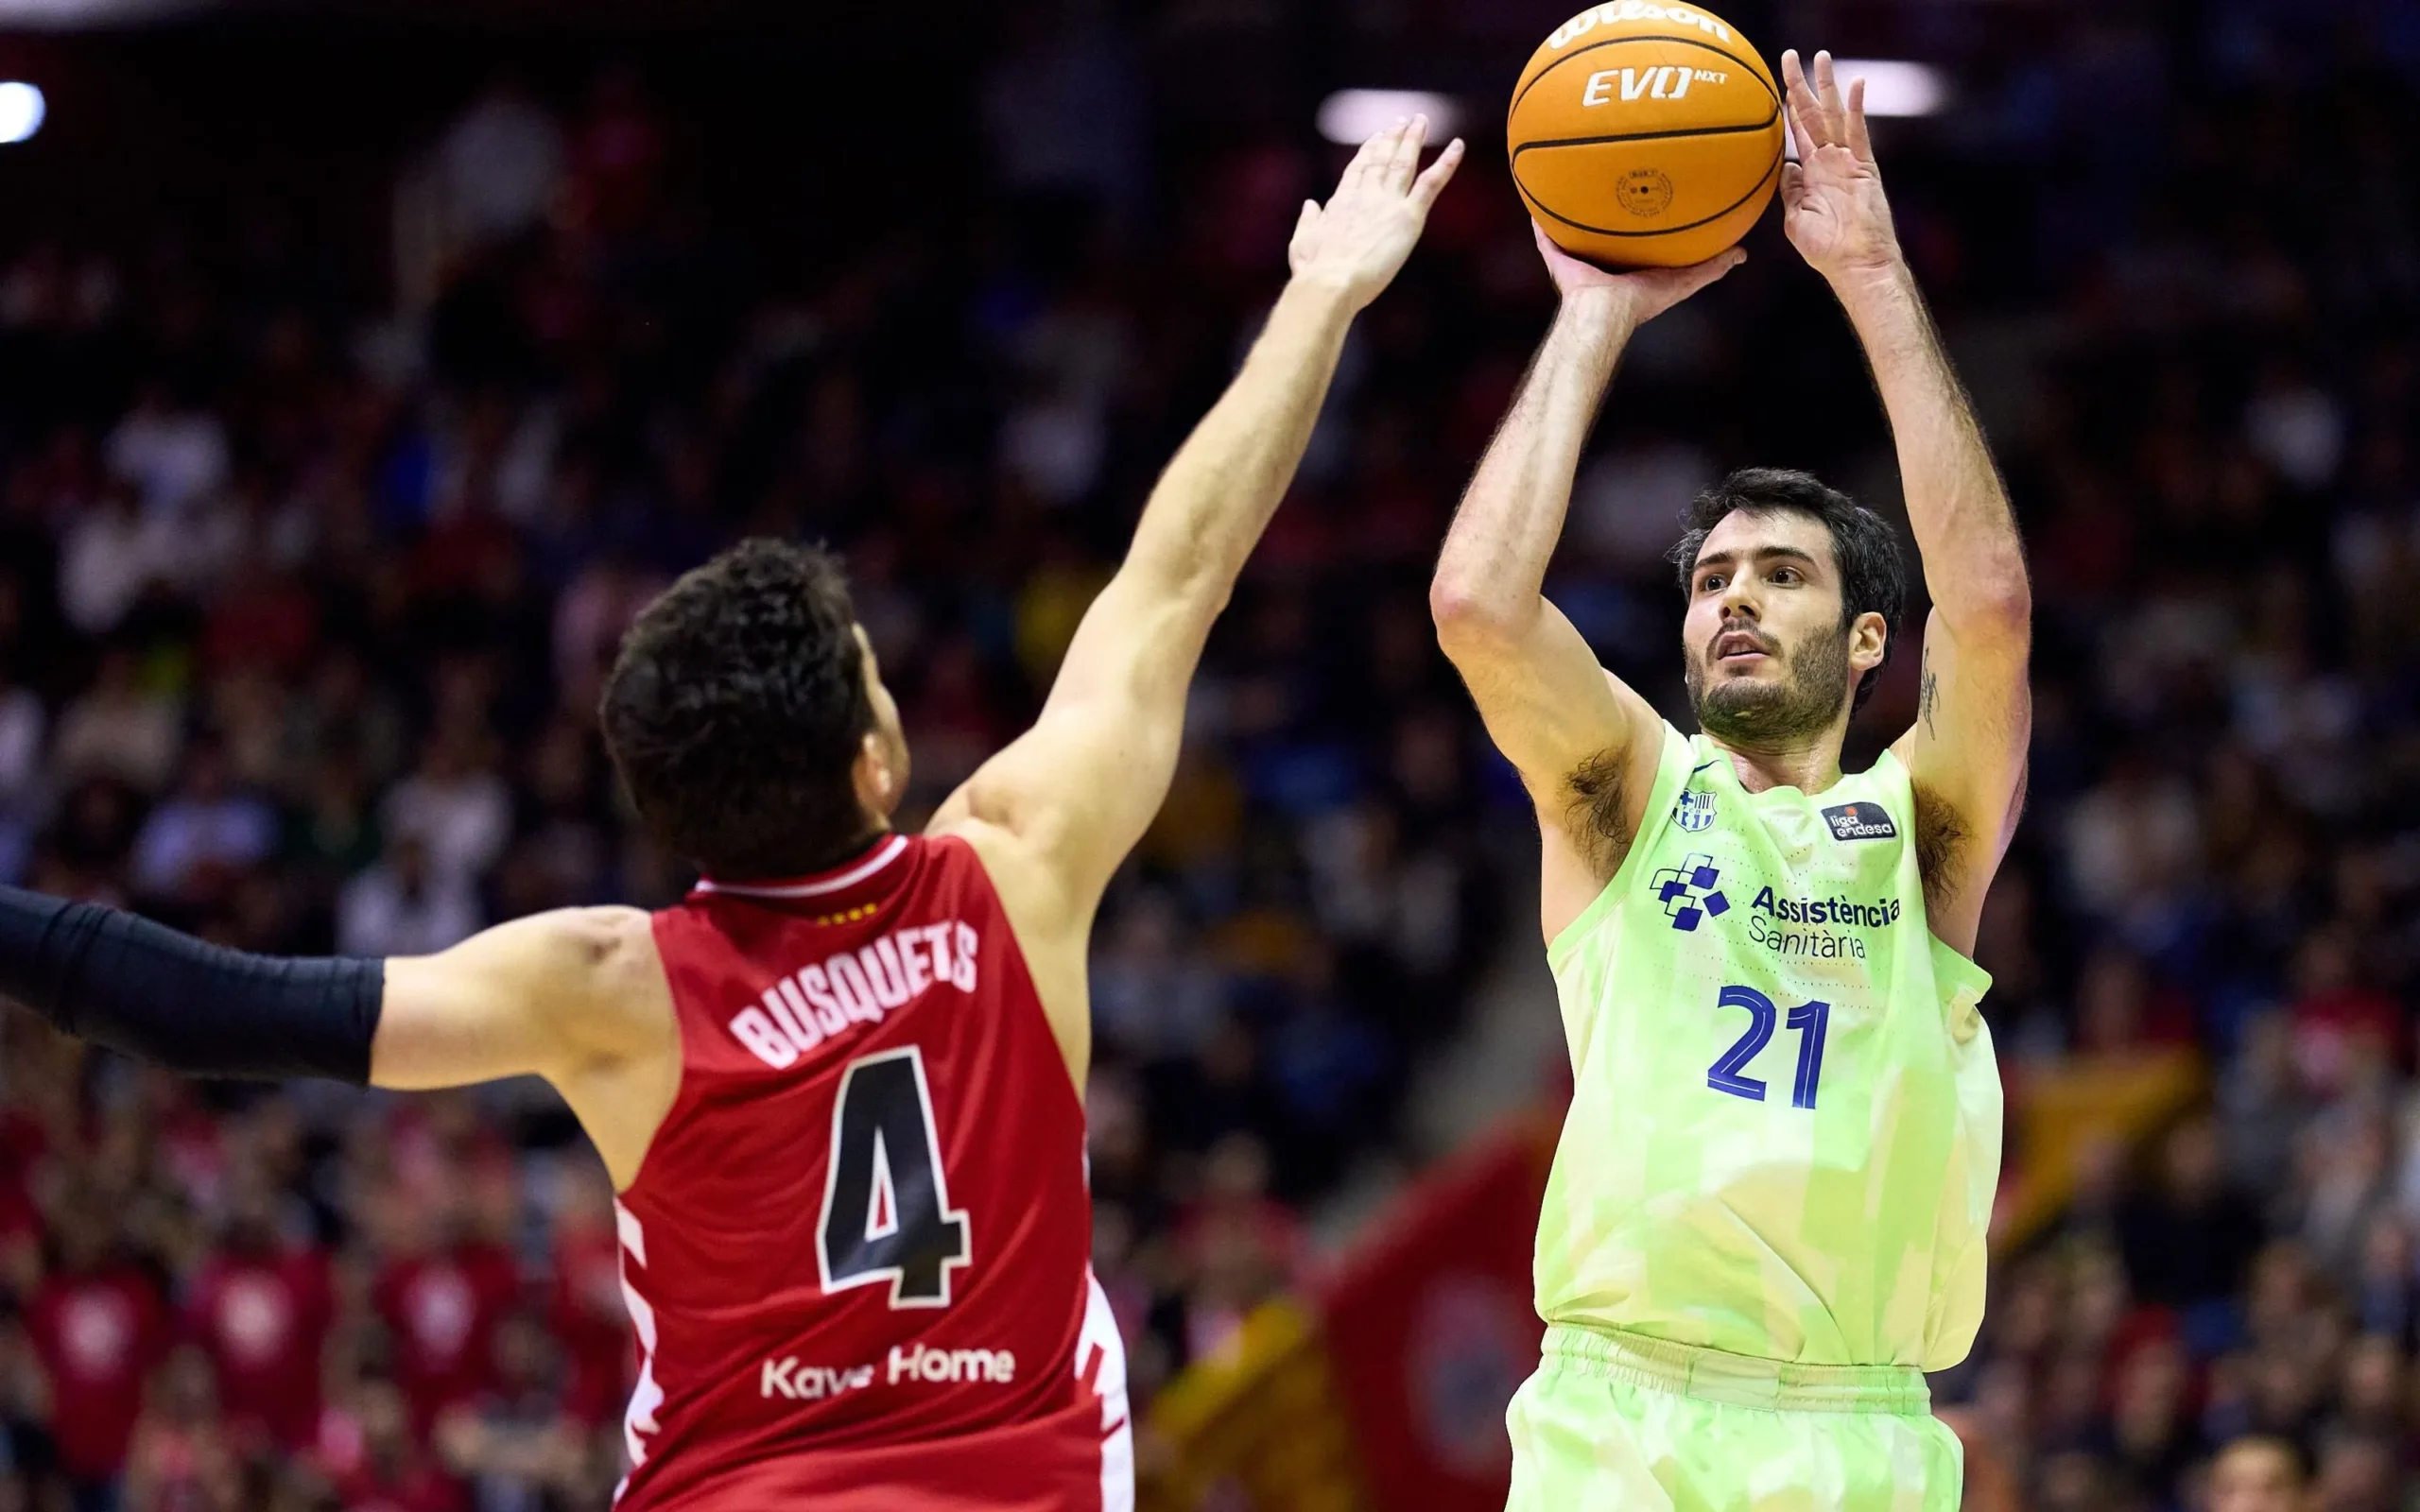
[{"x": 1741, "y": 1381}]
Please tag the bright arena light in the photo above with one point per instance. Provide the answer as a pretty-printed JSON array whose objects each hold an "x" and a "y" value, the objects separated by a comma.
[
  {"x": 1350, "y": 116},
  {"x": 1894, "y": 87},
  {"x": 21, "y": 111},
  {"x": 66, "y": 15}
]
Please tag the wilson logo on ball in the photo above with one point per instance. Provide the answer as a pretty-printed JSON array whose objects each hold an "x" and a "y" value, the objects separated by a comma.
[{"x": 1621, "y": 11}]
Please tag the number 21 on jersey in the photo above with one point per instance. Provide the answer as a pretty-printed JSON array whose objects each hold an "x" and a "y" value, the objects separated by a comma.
[
  {"x": 886, "y": 1203},
  {"x": 1728, "y": 1073}
]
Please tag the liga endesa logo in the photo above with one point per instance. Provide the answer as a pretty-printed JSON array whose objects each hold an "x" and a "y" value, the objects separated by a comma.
[{"x": 1860, "y": 821}]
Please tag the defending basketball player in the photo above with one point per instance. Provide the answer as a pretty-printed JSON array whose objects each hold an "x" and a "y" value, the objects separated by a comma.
[
  {"x": 838, "y": 1088},
  {"x": 1767, "y": 1216}
]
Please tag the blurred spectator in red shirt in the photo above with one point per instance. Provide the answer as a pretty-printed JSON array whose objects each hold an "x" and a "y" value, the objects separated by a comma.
[
  {"x": 1240, "y": 1245},
  {"x": 393, "y": 1473},
  {"x": 516, "y": 1445},
  {"x": 616, "y": 151},
  {"x": 441, "y": 1294},
  {"x": 2151, "y": 1428},
  {"x": 2119, "y": 1009},
  {"x": 183, "y": 1458},
  {"x": 262, "y": 618},
  {"x": 97, "y": 1324},
  {"x": 2344, "y": 1028},
  {"x": 586, "y": 1309},
  {"x": 260, "y": 1308},
  {"x": 22, "y": 1140},
  {"x": 21, "y": 1229}
]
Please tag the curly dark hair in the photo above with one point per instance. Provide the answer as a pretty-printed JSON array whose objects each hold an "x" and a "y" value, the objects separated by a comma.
[
  {"x": 735, "y": 711},
  {"x": 1874, "y": 570}
]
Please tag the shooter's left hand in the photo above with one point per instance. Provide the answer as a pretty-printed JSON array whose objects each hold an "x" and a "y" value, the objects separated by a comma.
[{"x": 1833, "y": 207}]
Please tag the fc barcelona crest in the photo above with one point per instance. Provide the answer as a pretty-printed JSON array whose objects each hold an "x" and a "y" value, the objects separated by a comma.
[{"x": 1694, "y": 812}]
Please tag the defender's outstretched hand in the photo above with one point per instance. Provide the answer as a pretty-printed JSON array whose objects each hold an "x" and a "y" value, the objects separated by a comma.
[
  {"x": 1833, "y": 207},
  {"x": 1643, "y": 292},
  {"x": 1358, "y": 240}
]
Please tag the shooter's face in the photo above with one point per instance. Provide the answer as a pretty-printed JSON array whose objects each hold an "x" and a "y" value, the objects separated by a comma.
[{"x": 1767, "y": 659}]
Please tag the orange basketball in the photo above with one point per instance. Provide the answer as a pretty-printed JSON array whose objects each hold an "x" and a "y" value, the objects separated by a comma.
[{"x": 1646, "y": 134}]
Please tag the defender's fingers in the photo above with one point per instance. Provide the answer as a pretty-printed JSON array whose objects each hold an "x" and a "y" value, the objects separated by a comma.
[
  {"x": 1405, "y": 161},
  {"x": 1374, "y": 151},
  {"x": 1305, "y": 222},
  {"x": 1433, "y": 179},
  {"x": 1860, "y": 140}
]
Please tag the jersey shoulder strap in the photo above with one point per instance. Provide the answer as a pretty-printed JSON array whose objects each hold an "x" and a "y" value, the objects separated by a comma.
[{"x": 1889, "y": 781}]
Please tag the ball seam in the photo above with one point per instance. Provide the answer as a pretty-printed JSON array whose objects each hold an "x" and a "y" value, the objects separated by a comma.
[{"x": 1540, "y": 206}]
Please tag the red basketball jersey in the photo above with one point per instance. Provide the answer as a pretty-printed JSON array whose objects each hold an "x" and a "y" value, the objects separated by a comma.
[{"x": 857, "y": 1251}]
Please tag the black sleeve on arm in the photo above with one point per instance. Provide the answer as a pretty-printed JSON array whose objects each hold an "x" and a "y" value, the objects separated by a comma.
[{"x": 105, "y": 975}]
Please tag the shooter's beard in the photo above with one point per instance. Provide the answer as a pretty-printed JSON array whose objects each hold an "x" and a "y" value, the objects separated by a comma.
[{"x": 1756, "y": 715}]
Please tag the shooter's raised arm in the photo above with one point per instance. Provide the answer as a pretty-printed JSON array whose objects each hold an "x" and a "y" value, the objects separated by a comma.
[
  {"x": 1581, "y": 741},
  {"x": 1966, "y": 751}
]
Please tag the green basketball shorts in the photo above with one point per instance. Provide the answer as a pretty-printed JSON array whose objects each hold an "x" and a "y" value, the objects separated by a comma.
[{"x": 1625, "y": 1424}]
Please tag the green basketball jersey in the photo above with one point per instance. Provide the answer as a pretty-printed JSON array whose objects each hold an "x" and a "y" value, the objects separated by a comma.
[{"x": 1784, "y": 1131}]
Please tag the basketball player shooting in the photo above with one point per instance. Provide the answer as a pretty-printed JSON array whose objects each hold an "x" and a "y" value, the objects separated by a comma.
[
  {"x": 838, "y": 1088},
  {"x": 1767, "y": 1214}
]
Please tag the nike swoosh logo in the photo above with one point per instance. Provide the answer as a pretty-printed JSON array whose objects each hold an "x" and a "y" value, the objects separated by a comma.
[{"x": 1701, "y": 767}]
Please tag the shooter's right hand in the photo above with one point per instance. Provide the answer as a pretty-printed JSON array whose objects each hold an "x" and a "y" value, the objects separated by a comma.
[{"x": 1639, "y": 294}]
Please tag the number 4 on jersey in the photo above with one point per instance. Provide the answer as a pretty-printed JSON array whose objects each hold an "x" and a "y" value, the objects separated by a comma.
[{"x": 886, "y": 1204}]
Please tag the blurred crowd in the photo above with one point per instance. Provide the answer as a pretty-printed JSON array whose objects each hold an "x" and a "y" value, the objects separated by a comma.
[
  {"x": 306, "y": 595},
  {"x": 2218, "y": 474},
  {"x": 307, "y": 588}
]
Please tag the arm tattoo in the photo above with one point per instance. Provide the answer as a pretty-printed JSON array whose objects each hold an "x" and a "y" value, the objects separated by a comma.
[{"x": 1927, "y": 696}]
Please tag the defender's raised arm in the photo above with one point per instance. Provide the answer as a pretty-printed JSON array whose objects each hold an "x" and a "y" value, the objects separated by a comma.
[
  {"x": 1966, "y": 751},
  {"x": 1581, "y": 739},
  {"x": 1062, "y": 805}
]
